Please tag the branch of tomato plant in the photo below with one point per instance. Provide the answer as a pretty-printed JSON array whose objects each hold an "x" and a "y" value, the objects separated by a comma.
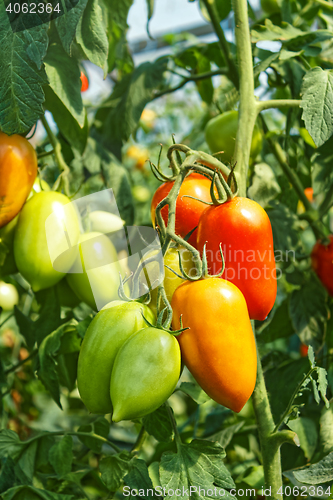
[
  {"x": 293, "y": 179},
  {"x": 79, "y": 434},
  {"x": 13, "y": 368},
  {"x": 247, "y": 106},
  {"x": 45, "y": 153},
  {"x": 232, "y": 68},
  {"x": 64, "y": 168},
  {"x": 192, "y": 78},
  {"x": 140, "y": 439},
  {"x": 278, "y": 103}
]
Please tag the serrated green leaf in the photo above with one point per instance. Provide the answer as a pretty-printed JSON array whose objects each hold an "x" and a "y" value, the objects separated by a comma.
[
  {"x": 317, "y": 104},
  {"x": 64, "y": 76},
  {"x": 225, "y": 436},
  {"x": 138, "y": 478},
  {"x": 91, "y": 34},
  {"x": 326, "y": 429},
  {"x": 25, "y": 467},
  {"x": 22, "y": 77},
  {"x": 198, "y": 464},
  {"x": 31, "y": 493},
  {"x": 195, "y": 392},
  {"x": 264, "y": 185},
  {"x": 158, "y": 424},
  {"x": 114, "y": 468},
  {"x": 322, "y": 384},
  {"x": 10, "y": 444},
  {"x": 284, "y": 227},
  {"x": 67, "y": 23},
  {"x": 280, "y": 325},
  {"x": 61, "y": 456},
  {"x": 306, "y": 431},
  {"x": 318, "y": 473}
]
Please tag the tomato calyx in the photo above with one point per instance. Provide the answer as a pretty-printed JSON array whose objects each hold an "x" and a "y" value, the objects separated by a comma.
[{"x": 162, "y": 326}]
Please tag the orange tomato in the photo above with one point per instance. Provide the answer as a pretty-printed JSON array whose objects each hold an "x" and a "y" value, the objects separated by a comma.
[
  {"x": 18, "y": 171},
  {"x": 219, "y": 347},
  {"x": 84, "y": 82}
]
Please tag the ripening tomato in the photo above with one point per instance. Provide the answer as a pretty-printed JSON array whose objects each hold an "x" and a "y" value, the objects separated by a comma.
[
  {"x": 46, "y": 238},
  {"x": 138, "y": 155},
  {"x": 145, "y": 373},
  {"x": 219, "y": 347},
  {"x": 188, "y": 211},
  {"x": 243, "y": 229},
  {"x": 18, "y": 170},
  {"x": 95, "y": 279},
  {"x": 303, "y": 350},
  {"x": 221, "y": 134},
  {"x": 107, "y": 332},
  {"x": 322, "y": 263},
  {"x": 84, "y": 82}
]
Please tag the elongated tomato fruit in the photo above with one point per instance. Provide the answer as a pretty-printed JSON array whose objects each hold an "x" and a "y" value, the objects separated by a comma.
[
  {"x": 219, "y": 347},
  {"x": 243, "y": 229}
]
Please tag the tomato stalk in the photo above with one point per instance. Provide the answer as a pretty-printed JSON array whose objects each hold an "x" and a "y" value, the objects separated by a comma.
[{"x": 65, "y": 171}]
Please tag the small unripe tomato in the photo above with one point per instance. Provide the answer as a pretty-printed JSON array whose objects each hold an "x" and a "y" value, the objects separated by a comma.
[
  {"x": 9, "y": 296},
  {"x": 221, "y": 134},
  {"x": 107, "y": 332},
  {"x": 270, "y": 6},
  {"x": 36, "y": 235},
  {"x": 84, "y": 82},
  {"x": 18, "y": 170},
  {"x": 145, "y": 373}
]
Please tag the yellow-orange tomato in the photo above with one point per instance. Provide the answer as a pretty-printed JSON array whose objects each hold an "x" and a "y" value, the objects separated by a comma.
[
  {"x": 138, "y": 155},
  {"x": 219, "y": 347},
  {"x": 18, "y": 170}
]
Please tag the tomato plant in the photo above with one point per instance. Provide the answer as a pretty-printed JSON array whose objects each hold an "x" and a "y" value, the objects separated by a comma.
[
  {"x": 108, "y": 331},
  {"x": 18, "y": 170},
  {"x": 31, "y": 249},
  {"x": 145, "y": 373},
  {"x": 9, "y": 296},
  {"x": 95, "y": 274},
  {"x": 188, "y": 210},
  {"x": 244, "y": 231},
  {"x": 221, "y": 133},
  {"x": 219, "y": 347}
]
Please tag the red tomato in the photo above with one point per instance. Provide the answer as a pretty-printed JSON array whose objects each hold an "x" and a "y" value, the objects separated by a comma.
[
  {"x": 244, "y": 231},
  {"x": 188, "y": 211},
  {"x": 219, "y": 347},
  {"x": 322, "y": 263},
  {"x": 84, "y": 82},
  {"x": 303, "y": 350},
  {"x": 309, "y": 193}
]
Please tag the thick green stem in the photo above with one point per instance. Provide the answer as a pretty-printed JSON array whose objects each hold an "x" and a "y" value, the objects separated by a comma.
[
  {"x": 65, "y": 171},
  {"x": 232, "y": 69},
  {"x": 278, "y": 103},
  {"x": 271, "y": 457},
  {"x": 247, "y": 106}
]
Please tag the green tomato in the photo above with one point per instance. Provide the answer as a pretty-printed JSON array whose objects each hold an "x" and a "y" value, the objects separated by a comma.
[
  {"x": 107, "y": 332},
  {"x": 221, "y": 133},
  {"x": 171, "y": 280},
  {"x": 9, "y": 296},
  {"x": 145, "y": 373},
  {"x": 32, "y": 235},
  {"x": 270, "y": 6},
  {"x": 223, "y": 8},
  {"x": 99, "y": 279},
  {"x": 67, "y": 297}
]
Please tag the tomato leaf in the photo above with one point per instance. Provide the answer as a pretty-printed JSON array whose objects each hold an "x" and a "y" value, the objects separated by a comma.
[
  {"x": 306, "y": 431},
  {"x": 91, "y": 34},
  {"x": 326, "y": 429},
  {"x": 101, "y": 427},
  {"x": 264, "y": 185},
  {"x": 158, "y": 424},
  {"x": 114, "y": 468},
  {"x": 317, "y": 104},
  {"x": 22, "y": 75},
  {"x": 321, "y": 472},
  {"x": 64, "y": 76},
  {"x": 32, "y": 493},
  {"x": 138, "y": 478},
  {"x": 67, "y": 23},
  {"x": 195, "y": 392},
  {"x": 61, "y": 456},
  {"x": 280, "y": 326},
  {"x": 198, "y": 464}
]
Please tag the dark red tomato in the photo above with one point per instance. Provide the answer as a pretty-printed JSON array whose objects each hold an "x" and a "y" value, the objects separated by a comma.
[
  {"x": 244, "y": 231},
  {"x": 188, "y": 211},
  {"x": 303, "y": 350},
  {"x": 322, "y": 263}
]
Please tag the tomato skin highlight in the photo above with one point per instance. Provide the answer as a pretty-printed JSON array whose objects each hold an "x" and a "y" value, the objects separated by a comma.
[
  {"x": 322, "y": 263},
  {"x": 31, "y": 250},
  {"x": 188, "y": 211},
  {"x": 243, "y": 229},
  {"x": 18, "y": 171},
  {"x": 107, "y": 332},
  {"x": 219, "y": 347},
  {"x": 145, "y": 373},
  {"x": 9, "y": 296}
]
